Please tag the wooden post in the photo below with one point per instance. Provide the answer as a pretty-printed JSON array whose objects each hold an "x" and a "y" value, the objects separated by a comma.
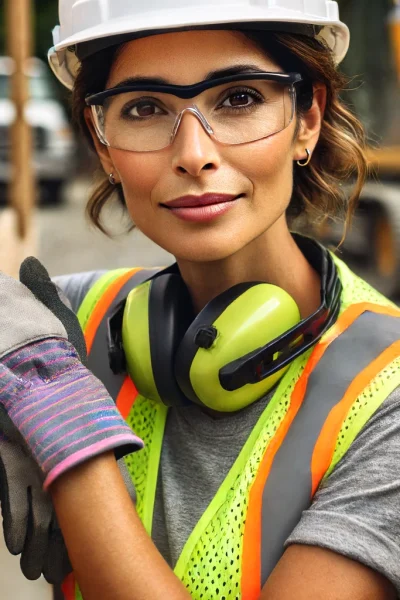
[
  {"x": 394, "y": 24},
  {"x": 16, "y": 234}
]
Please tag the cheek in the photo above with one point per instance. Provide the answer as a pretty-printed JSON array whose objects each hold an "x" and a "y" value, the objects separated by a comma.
[
  {"x": 268, "y": 166},
  {"x": 139, "y": 174},
  {"x": 267, "y": 162}
]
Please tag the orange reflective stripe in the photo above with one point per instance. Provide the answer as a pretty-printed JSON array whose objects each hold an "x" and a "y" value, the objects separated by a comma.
[
  {"x": 325, "y": 446},
  {"x": 251, "y": 558},
  {"x": 68, "y": 587},
  {"x": 326, "y": 443},
  {"x": 103, "y": 305},
  {"x": 126, "y": 397},
  {"x": 352, "y": 312},
  {"x": 344, "y": 322}
]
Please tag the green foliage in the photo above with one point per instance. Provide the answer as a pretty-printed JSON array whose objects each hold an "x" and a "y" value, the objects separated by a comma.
[
  {"x": 44, "y": 17},
  {"x": 370, "y": 63}
]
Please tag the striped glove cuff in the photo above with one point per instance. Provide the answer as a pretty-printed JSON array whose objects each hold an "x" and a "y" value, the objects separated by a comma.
[{"x": 62, "y": 410}]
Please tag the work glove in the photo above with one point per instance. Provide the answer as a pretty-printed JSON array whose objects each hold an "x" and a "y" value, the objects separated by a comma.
[
  {"x": 29, "y": 521},
  {"x": 35, "y": 277},
  {"x": 52, "y": 409}
]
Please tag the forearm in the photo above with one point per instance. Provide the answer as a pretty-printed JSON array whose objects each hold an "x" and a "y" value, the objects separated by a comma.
[{"x": 110, "y": 551}]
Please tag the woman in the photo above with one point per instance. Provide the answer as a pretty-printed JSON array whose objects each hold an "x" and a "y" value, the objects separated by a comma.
[{"x": 260, "y": 373}]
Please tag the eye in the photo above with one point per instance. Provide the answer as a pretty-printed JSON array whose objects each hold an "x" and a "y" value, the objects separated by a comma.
[
  {"x": 142, "y": 109},
  {"x": 242, "y": 99}
]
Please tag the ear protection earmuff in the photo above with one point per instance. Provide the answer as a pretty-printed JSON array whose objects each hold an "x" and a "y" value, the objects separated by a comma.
[{"x": 234, "y": 351}]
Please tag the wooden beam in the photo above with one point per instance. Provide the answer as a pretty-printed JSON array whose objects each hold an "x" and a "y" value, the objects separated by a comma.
[
  {"x": 19, "y": 44},
  {"x": 385, "y": 160},
  {"x": 17, "y": 231}
]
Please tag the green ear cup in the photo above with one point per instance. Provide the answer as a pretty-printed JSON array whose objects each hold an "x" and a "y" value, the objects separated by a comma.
[
  {"x": 136, "y": 341},
  {"x": 156, "y": 334},
  {"x": 256, "y": 316}
]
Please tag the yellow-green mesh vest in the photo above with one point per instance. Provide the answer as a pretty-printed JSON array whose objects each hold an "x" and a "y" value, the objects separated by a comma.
[{"x": 210, "y": 563}]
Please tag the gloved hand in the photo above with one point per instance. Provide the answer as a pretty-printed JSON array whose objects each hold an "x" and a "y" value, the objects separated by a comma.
[
  {"x": 60, "y": 408},
  {"x": 63, "y": 412},
  {"x": 29, "y": 521}
]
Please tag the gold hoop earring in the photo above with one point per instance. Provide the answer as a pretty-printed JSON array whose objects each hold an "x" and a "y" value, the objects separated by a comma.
[
  {"x": 111, "y": 179},
  {"x": 306, "y": 162}
]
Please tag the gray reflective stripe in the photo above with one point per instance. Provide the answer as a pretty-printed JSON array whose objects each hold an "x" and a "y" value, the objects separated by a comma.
[
  {"x": 287, "y": 491},
  {"x": 98, "y": 357}
]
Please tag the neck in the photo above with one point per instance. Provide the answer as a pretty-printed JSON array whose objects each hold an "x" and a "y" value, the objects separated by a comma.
[{"x": 273, "y": 257}]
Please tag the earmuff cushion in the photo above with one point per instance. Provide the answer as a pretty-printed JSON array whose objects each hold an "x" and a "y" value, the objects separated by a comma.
[
  {"x": 188, "y": 347},
  {"x": 170, "y": 314}
]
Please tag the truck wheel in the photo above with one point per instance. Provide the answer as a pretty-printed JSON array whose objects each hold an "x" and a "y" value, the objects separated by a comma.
[{"x": 382, "y": 206}]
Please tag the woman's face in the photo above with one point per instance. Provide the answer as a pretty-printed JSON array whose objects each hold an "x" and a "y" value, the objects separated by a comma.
[{"x": 259, "y": 173}]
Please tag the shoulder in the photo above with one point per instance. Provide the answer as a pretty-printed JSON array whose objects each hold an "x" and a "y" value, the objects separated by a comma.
[
  {"x": 356, "y": 511},
  {"x": 76, "y": 286}
]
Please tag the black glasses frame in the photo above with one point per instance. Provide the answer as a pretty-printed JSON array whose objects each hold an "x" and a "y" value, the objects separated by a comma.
[{"x": 191, "y": 91}]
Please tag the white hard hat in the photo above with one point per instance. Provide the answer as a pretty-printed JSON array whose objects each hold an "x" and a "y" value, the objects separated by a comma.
[{"x": 97, "y": 24}]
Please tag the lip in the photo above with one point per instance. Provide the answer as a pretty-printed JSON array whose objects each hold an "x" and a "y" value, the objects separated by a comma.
[
  {"x": 202, "y": 209},
  {"x": 197, "y": 201}
]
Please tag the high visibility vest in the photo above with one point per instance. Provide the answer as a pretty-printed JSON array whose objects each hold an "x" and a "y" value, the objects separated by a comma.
[{"x": 304, "y": 431}]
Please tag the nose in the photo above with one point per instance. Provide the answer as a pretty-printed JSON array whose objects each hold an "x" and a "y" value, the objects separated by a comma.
[{"x": 194, "y": 151}]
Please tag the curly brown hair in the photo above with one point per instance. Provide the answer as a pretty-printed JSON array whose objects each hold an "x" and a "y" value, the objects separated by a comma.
[{"x": 320, "y": 191}]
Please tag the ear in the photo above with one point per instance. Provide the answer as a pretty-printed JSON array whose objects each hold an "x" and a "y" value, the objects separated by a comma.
[
  {"x": 310, "y": 125},
  {"x": 102, "y": 150}
]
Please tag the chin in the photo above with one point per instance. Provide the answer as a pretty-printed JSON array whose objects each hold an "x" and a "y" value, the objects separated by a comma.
[
  {"x": 203, "y": 256},
  {"x": 207, "y": 249}
]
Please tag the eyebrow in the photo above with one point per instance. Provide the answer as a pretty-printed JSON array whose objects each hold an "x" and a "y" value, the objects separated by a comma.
[{"x": 226, "y": 72}]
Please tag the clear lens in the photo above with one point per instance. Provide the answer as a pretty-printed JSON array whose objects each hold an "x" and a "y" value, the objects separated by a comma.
[{"x": 237, "y": 113}]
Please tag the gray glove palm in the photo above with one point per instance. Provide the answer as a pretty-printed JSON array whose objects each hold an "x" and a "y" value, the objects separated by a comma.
[{"x": 29, "y": 521}]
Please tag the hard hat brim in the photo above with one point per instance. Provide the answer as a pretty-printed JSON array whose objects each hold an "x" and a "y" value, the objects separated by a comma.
[
  {"x": 333, "y": 32},
  {"x": 194, "y": 16}
]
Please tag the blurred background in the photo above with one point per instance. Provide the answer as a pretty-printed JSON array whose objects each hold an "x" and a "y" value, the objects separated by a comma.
[
  {"x": 63, "y": 168},
  {"x": 64, "y": 171}
]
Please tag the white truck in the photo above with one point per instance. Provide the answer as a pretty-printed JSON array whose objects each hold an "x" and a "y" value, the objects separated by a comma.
[{"x": 54, "y": 147}]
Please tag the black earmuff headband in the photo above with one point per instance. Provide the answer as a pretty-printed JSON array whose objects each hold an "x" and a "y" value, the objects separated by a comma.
[
  {"x": 116, "y": 353},
  {"x": 262, "y": 363}
]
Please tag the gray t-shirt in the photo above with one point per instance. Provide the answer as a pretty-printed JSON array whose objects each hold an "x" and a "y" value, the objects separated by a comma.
[{"x": 356, "y": 512}]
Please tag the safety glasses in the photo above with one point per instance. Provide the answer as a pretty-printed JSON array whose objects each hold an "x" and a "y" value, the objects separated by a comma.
[{"x": 236, "y": 109}]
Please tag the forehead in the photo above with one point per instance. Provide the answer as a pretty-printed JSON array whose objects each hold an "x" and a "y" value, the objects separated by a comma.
[{"x": 186, "y": 57}]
